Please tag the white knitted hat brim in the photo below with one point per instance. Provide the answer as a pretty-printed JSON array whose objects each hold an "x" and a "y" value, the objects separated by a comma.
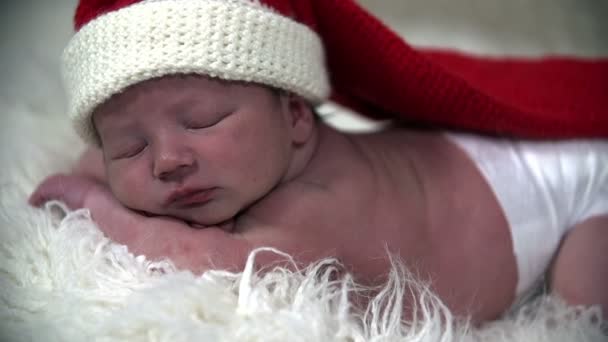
[{"x": 229, "y": 39}]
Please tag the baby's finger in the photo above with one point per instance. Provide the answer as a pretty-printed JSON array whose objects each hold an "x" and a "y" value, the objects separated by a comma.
[
  {"x": 66, "y": 188},
  {"x": 45, "y": 191}
]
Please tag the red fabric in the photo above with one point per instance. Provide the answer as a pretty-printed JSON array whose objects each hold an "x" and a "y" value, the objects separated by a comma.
[
  {"x": 375, "y": 72},
  {"x": 88, "y": 10}
]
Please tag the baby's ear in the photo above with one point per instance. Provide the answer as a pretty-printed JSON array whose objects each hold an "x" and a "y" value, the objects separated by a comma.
[{"x": 301, "y": 118}]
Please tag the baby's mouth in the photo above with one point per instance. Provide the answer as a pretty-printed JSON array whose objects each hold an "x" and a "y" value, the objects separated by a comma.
[{"x": 187, "y": 198}]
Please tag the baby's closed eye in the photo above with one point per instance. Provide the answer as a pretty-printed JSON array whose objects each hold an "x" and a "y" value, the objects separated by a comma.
[
  {"x": 126, "y": 151},
  {"x": 200, "y": 121}
]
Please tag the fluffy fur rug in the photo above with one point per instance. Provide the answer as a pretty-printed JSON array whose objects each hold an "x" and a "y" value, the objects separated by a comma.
[{"x": 62, "y": 280}]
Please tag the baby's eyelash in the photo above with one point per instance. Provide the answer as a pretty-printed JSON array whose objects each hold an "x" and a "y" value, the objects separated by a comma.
[
  {"x": 131, "y": 152},
  {"x": 201, "y": 124},
  {"x": 192, "y": 124}
]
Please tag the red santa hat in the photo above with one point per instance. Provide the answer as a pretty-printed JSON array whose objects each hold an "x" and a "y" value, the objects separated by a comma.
[{"x": 309, "y": 46}]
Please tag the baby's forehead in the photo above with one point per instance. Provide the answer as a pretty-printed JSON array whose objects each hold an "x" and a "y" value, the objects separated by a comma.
[
  {"x": 120, "y": 106},
  {"x": 160, "y": 86},
  {"x": 175, "y": 84}
]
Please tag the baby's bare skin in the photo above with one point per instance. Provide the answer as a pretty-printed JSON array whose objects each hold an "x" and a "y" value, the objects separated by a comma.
[{"x": 411, "y": 193}]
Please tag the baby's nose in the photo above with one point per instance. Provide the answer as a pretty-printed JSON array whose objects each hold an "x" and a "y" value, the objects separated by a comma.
[{"x": 173, "y": 165}]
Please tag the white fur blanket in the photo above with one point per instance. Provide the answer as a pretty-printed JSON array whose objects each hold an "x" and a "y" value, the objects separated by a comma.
[{"x": 62, "y": 280}]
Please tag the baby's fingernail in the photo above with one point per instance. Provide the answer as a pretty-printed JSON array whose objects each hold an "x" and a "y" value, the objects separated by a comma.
[{"x": 35, "y": 200}]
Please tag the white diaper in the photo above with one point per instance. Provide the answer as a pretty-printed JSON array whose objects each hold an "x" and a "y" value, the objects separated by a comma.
[{"x": 544, "y": 188}]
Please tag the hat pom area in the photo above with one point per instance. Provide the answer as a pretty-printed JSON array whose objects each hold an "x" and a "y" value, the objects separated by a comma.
[{"x": 240, "y": 40}]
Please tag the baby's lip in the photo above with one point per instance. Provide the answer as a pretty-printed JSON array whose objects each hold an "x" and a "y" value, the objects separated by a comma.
[{"x": 189, "y": 197}]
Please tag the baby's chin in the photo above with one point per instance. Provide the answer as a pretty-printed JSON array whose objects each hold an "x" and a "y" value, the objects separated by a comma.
[
  {"x": 198, "y": 218},
  {"x": 227, "y": 225},
  {"x": 218, "y": 220}
]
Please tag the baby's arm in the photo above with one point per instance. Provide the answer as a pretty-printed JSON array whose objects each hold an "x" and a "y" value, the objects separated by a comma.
[
  {"x": 281, "y": 222},
  {"x": 154, "y": 237},
  {"x": 580, "y": 271}
]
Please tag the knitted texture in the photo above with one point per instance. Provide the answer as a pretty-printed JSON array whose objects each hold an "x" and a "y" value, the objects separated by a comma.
[
  {"x": 380, "y": 75},
  {"x": 233, "y": 40}
]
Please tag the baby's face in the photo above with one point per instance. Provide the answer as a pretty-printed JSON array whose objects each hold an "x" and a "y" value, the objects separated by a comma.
[{"x": 194, "y": 148}]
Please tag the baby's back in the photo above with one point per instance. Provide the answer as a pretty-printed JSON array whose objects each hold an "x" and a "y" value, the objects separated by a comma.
[
  {"x": 413, "y": 194},
  {"x": 470, "y": 256}
]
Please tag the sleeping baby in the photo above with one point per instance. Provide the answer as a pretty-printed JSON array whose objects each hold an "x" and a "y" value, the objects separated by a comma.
[{"x": 203, "y": 164}]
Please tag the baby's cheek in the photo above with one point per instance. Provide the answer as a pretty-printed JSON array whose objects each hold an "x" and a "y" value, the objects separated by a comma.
[{"x": 130, "y": 187}]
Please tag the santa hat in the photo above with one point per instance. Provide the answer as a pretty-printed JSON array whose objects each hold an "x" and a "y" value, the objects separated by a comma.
[{"x": 304, "y": 46}]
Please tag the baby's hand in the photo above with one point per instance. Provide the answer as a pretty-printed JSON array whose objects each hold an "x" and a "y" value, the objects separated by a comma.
[
  {"x": 71, "y": 189},
  {"x": 77, "y": 191}
]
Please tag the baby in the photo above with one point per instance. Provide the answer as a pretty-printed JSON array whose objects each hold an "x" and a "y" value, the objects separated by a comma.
[
  {"x": 256, "y": 164},
  {"x": 248, "y": 164}
]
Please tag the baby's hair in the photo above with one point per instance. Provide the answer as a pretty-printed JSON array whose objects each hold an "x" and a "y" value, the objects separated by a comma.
[{"x": 282, "y": 92}]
